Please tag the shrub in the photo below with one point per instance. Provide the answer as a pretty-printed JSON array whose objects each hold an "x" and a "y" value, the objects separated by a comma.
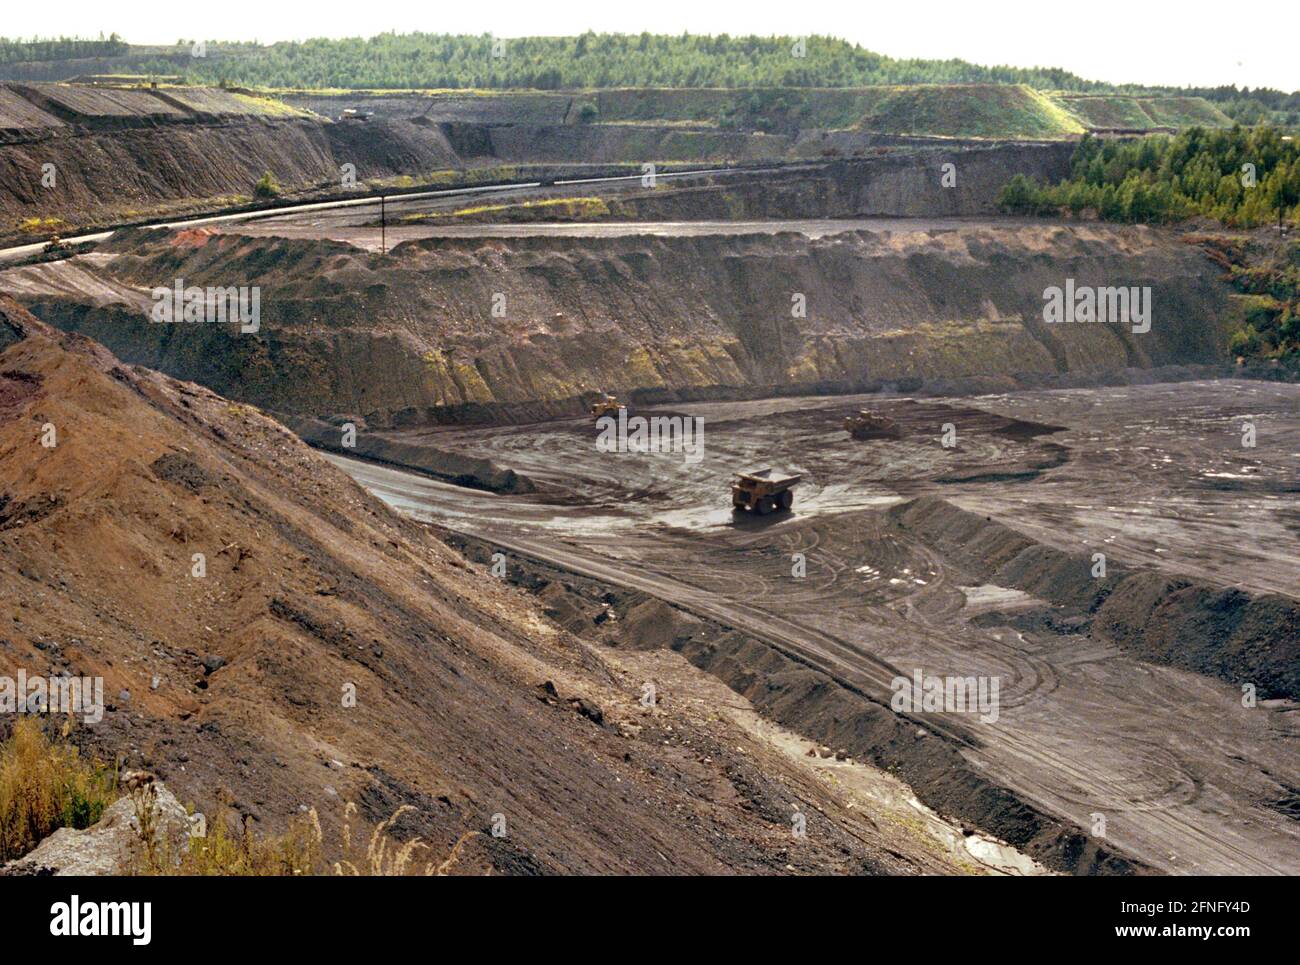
[
  {"x": 46, "y": 785},
  {"x": 267, "y": 186},
  {"x": 1020, "y": 196},
  {"x": 1244, "y": 341},
  {"x": 39, "y": 225}
]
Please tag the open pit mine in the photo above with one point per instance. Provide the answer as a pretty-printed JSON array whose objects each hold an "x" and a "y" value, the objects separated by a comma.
[{"x": 576, "y": 484}]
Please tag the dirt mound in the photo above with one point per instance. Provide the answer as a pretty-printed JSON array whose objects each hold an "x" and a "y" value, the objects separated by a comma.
[
  {"x": 330, "y": 650},
  {"x": 90, "y": 104},
  {"x": 1122, "y": 112},
  {"x": 385, "y": 147},
  {"x": 813, "y": 704},
  {"x": 514, "y": 107},
  {"x": 451, "y": 466},
  {"x": 1224, "y": 632},
  {"x": 19, "y": 114}
]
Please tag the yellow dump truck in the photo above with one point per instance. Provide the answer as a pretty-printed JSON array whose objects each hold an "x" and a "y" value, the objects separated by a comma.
[{"x": 763, "y": 491}]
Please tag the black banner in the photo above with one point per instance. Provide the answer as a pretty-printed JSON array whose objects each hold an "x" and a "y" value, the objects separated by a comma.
[{"x": 143, "y": 915}]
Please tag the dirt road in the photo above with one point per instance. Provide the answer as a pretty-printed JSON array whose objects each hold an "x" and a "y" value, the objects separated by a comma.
[
  {"x": 349, "y": 227},
  {"x": 343, "y": 211}
]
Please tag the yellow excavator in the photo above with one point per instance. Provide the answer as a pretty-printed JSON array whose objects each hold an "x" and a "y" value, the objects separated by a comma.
[
  {"x": 868, "y": 425},
  {"x": 607, "y": 405}
]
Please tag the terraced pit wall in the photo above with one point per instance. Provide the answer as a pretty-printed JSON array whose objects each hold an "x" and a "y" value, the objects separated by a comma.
[
  {"x": 989, "y": 111},
  {"x": 125, "y": 154},
  {"x": 908, "y": 184},
  {"x": 410, "y": 338}
]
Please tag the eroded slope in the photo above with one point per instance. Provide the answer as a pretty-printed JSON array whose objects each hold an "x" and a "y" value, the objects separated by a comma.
[
  {"x": 231, "y": 685},
  {"x": 453, "y": 328}
]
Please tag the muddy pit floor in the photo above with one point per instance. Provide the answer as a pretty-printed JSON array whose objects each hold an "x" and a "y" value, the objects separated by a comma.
[{"x": 1186, "y": 778}]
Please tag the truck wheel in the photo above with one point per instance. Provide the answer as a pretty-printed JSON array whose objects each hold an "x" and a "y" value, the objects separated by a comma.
[{"x": 786, "y": 499}]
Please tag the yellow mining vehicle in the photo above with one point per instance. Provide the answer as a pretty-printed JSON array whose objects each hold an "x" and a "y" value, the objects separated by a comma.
[
  {"x": 606, "y": 406},
  {"x": 763, "y": 491},
  {"x": 868, "y": 425}
]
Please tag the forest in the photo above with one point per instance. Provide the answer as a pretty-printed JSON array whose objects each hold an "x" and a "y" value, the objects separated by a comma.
[
  {"x": 591, "y": 60},
  {"x": 1240, "y": 178},
  {"x": 60, "y": 48}
]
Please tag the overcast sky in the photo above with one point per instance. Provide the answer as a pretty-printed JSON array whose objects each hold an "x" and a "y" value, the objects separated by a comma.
[{"x": 1192, "y": 42}]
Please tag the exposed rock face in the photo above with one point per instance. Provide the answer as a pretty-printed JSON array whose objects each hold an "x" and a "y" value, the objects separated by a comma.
[
  {"x": 115, "y": 845},
  {"x": 411, "y": 337}
]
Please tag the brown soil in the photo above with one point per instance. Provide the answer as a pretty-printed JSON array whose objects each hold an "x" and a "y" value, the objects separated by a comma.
[
  {"x": 1154, "y": 475},
  {"x": 789, "y": 691},
  {"x": 122, "y": 156},
  {"x": 470, "y": 702},
  {"x": 1225, "y": 632}
]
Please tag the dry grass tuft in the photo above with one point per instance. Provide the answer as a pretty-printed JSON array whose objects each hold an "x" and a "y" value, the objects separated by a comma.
[
  {"x": 46, "y": 785},
  {"x": 224, "y": 852},
  {"x": 40, "y": 225},
  {"x": 386, "y": 857},
  {"x": 299, "y": 851}
]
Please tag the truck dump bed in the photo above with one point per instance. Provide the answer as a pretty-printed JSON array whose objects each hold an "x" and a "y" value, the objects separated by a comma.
[
  {"x": 770, "y": 480},
  {"x": 763, "y": 491}
]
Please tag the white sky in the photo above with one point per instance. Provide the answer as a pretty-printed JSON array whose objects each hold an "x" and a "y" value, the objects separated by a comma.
[{"x": 1190, "y": 42}]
